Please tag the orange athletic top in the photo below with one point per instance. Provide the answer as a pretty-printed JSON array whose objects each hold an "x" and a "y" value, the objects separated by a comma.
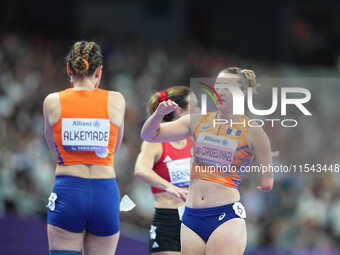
[
  {"x": 221, "y": 152},
  {"x": 84, "y": 134}
]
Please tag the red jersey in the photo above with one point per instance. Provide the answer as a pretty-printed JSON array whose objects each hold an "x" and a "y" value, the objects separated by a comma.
[{"x": 174, "y": 165}]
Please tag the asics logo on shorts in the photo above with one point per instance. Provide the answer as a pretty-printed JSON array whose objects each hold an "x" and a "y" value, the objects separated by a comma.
[{"x": 221, "y": 217}]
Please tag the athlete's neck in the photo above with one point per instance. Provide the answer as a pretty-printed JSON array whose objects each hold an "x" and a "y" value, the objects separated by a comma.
[
  {"x": 227, "y": 116},
  {"x": 84, "y": 84},
  {"x": 224, "y": 115}
]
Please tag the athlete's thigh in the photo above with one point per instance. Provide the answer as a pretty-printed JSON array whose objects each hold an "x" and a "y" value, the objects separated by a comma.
[
  {"x": 60, "y": 239},
  {"x": 230, "y": 238},
  {"x": 103, "y": 245},
  {"x": 191, "y": 243}
]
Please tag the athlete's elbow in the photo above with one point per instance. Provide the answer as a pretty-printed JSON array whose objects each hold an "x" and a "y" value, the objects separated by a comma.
[
  {"x": 150, "y": 135},
  {"x": 144, "y": 135},
  {"x": 140, "y": 175},
  {"x": 147, "y": 138},
  {"x": 138, "y": 172}
]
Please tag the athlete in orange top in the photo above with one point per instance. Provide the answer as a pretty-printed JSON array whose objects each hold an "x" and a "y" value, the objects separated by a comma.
[
  {"x": 233, "y": 147},
  {"x": 84, "y": 128},
  {"x": 213, "y": 220}
]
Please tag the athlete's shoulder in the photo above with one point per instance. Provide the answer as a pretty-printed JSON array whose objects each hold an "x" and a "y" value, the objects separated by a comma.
[
  {"x": 195, "y": 119},
  {"x": 117, "y": 97},
  {"x": 115, "y": 93},
  {"x": 51, "y": 100},
  {"x": 257, "y": 135},
  {"x": 51, "y": 108},
  {"x": 148, "y": 145},
  {"x": 52, "y": 96},
  {"x": 153, "y": 148},
  {"x": 255, "y": 128}
]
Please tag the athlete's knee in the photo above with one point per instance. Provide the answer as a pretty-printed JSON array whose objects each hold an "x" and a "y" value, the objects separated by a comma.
[{"x": 63, "y": 252}]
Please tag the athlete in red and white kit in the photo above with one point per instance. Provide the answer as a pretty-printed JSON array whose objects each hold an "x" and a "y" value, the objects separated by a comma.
[{"x": 166, "y": 168}]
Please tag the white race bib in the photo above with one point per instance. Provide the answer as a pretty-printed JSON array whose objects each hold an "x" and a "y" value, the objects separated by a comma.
[
  {"x": 179, "y": 171},
  {"x": 81, "y": 134},
  {"x": 215, "y": 150}
]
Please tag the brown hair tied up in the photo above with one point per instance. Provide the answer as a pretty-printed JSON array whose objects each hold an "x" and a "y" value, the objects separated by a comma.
[
  {"x": 178, "y": 94},
  {"x": 84, "y": 58},
  {"x": 247, "y": 77}
]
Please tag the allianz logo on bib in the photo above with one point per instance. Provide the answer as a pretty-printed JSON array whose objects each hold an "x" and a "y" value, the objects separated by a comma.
[
  {"x": 212, "y": 139},
  {"x": 216, "y": 140},
  {"x": 96, "y": 123},
  {"x": 77, "y": 123}
]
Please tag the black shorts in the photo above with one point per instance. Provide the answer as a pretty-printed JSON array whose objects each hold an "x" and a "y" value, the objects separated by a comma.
[{"x": 165, "y": 231}]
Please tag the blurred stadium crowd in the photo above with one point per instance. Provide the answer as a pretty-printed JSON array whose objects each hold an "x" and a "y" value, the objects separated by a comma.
[{"x": 301, "y": 213}]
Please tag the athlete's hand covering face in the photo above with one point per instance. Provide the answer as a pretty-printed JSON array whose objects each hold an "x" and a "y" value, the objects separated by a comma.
[{"x": 166, "y": 107}]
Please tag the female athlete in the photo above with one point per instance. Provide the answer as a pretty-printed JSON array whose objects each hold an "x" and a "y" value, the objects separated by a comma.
[
  {"x": 166, "y": 168},
  {"x": 213, "y": 220},
  {"x": 84, "y": 128}
]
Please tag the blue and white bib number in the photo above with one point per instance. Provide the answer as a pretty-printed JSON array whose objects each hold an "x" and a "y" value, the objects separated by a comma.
[
  {"x": 215, "y": 150},
  {"x": 81, "y": 134},
  {"x": 179, "y": 171}
]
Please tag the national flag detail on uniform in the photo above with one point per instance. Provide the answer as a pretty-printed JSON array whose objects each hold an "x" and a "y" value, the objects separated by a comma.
[
  {"x": 246, "y": 161},
  {"x": 234, "y": 132},
  {"x": 167, "y": 159},
  {"x": 237, "y": 182},
  {"x": 242, "y": 147},
  {"x": 249, "y": 153}
]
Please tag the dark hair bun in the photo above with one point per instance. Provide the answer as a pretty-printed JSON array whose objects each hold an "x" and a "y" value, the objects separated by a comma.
[{"x": 79, "y": 66}]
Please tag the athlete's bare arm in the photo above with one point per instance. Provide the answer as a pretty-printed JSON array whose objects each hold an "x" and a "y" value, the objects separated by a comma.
[
  {"x": 51, "y": 111},
  {"x": 116, "y": 108},
  {"x": 260, "y": 144},
  {"x": 155, "y": 131},
  {"x": 150, "y": 153}
]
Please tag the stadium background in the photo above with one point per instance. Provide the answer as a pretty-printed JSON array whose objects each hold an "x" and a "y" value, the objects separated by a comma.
[{"x": 150, "y": 45}]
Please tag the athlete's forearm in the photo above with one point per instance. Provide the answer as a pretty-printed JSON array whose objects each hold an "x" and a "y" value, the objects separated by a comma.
[
  {"x": 50, "y": 145},
  {"x": 267, "y": 179},
  {"x": 152, "y": 179},
  {"x": 120, "y": 137},
  {"x": 151, "y": 128},
  {"x": 49, "y": 138}
]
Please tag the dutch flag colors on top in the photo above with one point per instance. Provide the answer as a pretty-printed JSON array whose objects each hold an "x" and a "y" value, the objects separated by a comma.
[{"x": 233, "y": 132}]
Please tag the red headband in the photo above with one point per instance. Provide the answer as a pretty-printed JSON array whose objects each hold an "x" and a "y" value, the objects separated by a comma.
[{"x": 162, "y": 97}]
